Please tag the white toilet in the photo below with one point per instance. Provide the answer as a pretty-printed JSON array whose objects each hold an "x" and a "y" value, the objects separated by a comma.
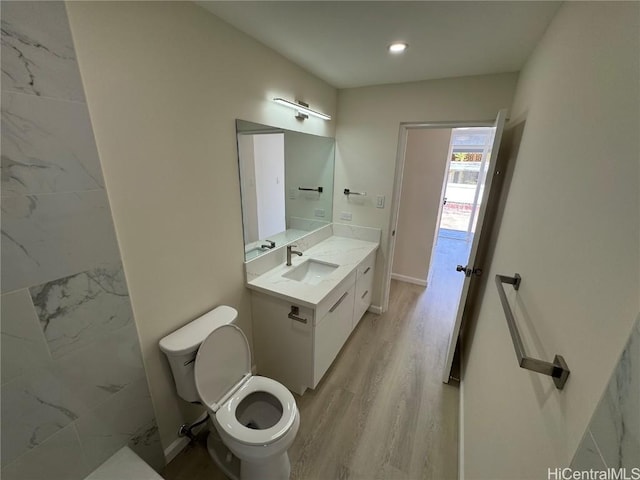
[{"x": 256, "y": 417}]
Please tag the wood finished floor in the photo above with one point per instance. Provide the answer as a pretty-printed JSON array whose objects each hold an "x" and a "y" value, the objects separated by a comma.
[{"x": 382, "y": 411}]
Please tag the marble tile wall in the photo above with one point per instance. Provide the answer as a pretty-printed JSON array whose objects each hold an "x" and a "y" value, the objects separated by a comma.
[
  {"x": 612, "y": 439},
  {"x": 73, "y": 386}
]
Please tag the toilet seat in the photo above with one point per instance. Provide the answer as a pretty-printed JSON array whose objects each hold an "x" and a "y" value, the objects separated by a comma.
[
  {"x": 223, "y": 379},
  {"x": 227, "y": 420}
]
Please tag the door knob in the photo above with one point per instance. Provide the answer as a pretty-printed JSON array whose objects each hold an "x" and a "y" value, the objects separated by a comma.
[
  {"x": 460, "y": 268},
  {"x": 469, "y": 271}
]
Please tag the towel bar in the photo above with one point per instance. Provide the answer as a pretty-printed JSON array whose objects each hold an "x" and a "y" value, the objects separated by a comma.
[{"x": 558, "y": 370}]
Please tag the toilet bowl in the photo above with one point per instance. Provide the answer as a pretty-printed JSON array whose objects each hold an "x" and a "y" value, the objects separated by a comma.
[{"x": 256, "y": 417}]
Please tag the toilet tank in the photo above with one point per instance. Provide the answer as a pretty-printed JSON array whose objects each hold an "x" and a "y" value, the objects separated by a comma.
[{"x": 181, "y": 347}]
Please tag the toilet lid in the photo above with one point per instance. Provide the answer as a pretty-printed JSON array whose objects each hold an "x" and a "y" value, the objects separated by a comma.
[{"x": 223, "y": 360}]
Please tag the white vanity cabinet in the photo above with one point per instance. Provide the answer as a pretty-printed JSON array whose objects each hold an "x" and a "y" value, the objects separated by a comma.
[
  {"x": 282, "y": 346},
  {"x": 296, "y": 345}
]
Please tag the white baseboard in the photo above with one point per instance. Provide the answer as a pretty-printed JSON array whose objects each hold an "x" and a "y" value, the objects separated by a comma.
[
  {"x": 180, "y": 443},
  {"x": 375, "y": 309},
  {"x": 404, "y": 278},
  {"x": 175, "y": 448}
]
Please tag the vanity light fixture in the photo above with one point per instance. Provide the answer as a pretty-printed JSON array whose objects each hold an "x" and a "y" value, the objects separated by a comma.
[
  {"x": 303, "y": 109},
  {"x": 397, "y": 47}
]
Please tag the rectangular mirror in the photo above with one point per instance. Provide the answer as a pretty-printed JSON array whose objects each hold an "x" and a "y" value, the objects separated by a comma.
[{"x": 286, "y": 184}]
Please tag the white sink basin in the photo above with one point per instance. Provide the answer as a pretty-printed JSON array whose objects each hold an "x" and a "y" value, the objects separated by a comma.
[{"x": 310, "y": 272}]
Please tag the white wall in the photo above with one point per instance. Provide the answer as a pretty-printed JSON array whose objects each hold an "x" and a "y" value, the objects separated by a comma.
[
  {"x": 164, "y": 83},
  {"x": 269, "y": 167},
  {"x": 309, "y": 163},
  {"x": 422, "y": 181},
  {"x": 247, "y": 166},
  {"x": 571, "y": 229},
  {"x": 367, "y": 138}
]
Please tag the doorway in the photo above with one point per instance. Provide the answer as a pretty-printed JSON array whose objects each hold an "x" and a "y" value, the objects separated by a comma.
[
  {"x": 450, "y": 277},
  {"x": 463, "y": 186},
  {"x": 441, "y": 192},
  {"x": 262, "y": 174}
]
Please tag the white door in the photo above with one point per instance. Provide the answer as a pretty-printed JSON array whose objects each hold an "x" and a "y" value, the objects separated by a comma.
[
  {"x": 470, "y": 267},
  {"x": 269, "y": 166}
]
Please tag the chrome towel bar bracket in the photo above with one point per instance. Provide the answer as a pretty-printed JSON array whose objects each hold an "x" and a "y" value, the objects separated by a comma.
[
  {"x": 294, "y": 314},
  {"x": 558, "y": 370}
]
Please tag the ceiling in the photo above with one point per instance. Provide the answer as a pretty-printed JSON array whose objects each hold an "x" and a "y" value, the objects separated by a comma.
[{"x": 345, "y": 42}]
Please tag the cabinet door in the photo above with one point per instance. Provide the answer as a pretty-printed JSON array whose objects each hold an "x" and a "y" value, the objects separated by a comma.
[
  {"x": 331, "y": 332},
  {"x": 282, "y": 346},
  {"x": 364, "y": 287}
]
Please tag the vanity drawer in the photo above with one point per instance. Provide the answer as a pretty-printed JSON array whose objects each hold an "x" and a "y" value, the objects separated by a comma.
[
  {"x": 331, "y": 333},
  {"x": 362, "y": 300},
  {"x": 366, "y": 267},
  {"x": 325, "y": 305},
  {"x": 364, "y": 287}
]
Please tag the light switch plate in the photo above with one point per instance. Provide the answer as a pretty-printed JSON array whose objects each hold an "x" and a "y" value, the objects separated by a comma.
[
  {"x": 345, "y": 216},
  {"x": 380, "y": 201}
]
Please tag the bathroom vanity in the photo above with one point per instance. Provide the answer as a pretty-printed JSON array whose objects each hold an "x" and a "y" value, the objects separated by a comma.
[{"x": 304, "y": 313}]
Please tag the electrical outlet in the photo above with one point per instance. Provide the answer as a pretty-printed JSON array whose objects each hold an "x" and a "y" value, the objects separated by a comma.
[
  {"x": 380, "y": 201},
  {"x": 292, "y": 193},
  {"x": 319, "y": 212},
  {"x": 345, "y": 216}
]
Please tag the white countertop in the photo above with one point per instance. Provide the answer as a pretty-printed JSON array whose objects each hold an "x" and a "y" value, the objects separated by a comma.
[{"x": 345, "y": 252}]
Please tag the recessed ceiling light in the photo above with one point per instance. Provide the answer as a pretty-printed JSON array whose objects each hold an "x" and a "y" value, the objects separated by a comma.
[{"x": 398, "y": 47}]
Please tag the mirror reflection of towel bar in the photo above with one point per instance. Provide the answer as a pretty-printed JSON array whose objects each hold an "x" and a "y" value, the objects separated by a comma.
[
  {"x": 349, "y": 192},
  {"x": 317, "y": 189},
  {"x": 558, "y": 369}
]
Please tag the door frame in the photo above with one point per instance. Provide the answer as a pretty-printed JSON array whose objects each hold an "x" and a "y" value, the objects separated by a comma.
[
  {"x": 481, "y": 181},
  {"x": 397, "y": 187},
  {"x": 443, "y": 192},
  {"x": 476, "y": 199}
]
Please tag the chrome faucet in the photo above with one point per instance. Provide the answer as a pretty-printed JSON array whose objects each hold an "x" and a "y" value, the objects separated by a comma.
[
  {"x": 289, "y": 252},
  {"x": 271, "y": 245}
]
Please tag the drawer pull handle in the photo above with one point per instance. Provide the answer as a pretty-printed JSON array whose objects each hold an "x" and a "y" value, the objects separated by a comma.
[
  {"x": 364, "y": 294},
  {"x": 293, "y": 314},
  {"x": 339, "y": 301},
  {"x": 366, "y": 271}
]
